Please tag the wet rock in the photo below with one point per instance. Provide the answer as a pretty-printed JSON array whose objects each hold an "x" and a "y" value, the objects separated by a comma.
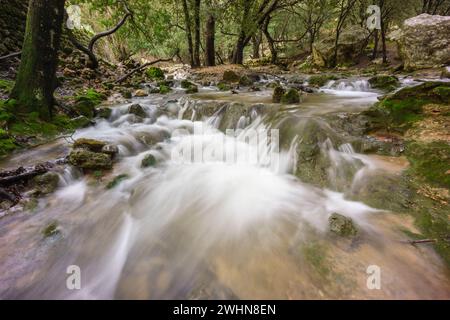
[
  {"x": 127, "y": 94},
  {"x": 424, "y": 42},
  {"x": 351, "y": 43},
  {"x": 140, "y": 93},
  {"x": 81, "y": 122},
  {"x": 384, "y": 82},
  {"x": 86, "y": 159},
  {"x": 110, "y": 149},
  {"x": 137, "y": 110},
  {"x": 186, "y": 84},
  {"x": 292, "y": 96},
  {"x": 278, "y": 93},
  {"x": 148, "y": 161},
  {"x": 230, "y": 76},
  {"x": 445, "y": 72},
  {"x": 104, "y": 112},
  {"x": 342, "y": 225},
  {"x": 89, "y": 144},
  {"x": 321, "y": 80},
  {"x": 51, "y": 230},
  {"x": 245, "y": 81},
  {"x": 46, "y": 183}
]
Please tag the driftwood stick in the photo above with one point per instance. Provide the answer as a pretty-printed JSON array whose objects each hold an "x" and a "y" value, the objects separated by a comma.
[{"x": 11, "y": 55}]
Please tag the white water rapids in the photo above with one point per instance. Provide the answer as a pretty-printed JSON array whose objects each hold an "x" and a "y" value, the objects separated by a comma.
[{"x": 210, "y": 228}]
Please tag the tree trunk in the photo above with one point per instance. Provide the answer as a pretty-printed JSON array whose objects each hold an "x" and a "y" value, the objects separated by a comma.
[
  {"x": 375, "y": 46},
  {"x": 383, "y": 41},
  {"x": 36, "y": 79},
  {"x": 187, "y": 23},
  {"x": 272, "y": 48},
  {"x": 197, "y": 33},
  {"x": 210, "y": 40},
  {"x": 256, "y": 41},
  {"x": 238, "y": 54}
]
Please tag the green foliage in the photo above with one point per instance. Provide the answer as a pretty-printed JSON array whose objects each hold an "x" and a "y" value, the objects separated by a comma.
[
  {"x": 6, "y": 85},
  {"x": 155, "y": 73},
  {"x": 223, "y": 86},
  {"x": 163, "y": 89}
]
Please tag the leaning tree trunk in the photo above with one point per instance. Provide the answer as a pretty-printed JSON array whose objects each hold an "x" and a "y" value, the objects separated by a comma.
[
  {"x": 210, "y": 41},
  {"x": 36, "y": 79},
  {"x": 238, "y": 54}
]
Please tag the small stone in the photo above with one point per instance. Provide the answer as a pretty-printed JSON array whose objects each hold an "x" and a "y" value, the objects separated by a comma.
[
  {"x": 137, "y": 110},
  {"x": 140, "y": 93},
  {"x": 342, "y": 225},
  {"x": 51, "y": 230},
  {"x": 110, "y": 149},
  {"x": 148, "y": 161}
]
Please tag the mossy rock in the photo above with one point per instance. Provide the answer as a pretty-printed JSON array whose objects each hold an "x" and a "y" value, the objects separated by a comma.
[
  {"x": 342, "y": 225},
  {"x": 292, "y": 96},
  {"x": 245, "y": 81},
  {"x": 321, "y": 80},
  {"x": 384, "y": 82},
  {"x": 104, "y": 113},
  {"x": 116, "y": 181},
  {"x": 46, "y": 183},
  {"x": 230, "y": 76},
  {"x": 223, "y": 86},
  {"x": 155, "y": 73},
  {"x": 85, "y": 103},
  {"x": 278, "y": 93},
  {"x": 186, "y": 84},
  {"x": 148, "y": 161},
  {"x": 86, "y": 159},
  {"x": 89, "y": 144},
  {"x": 163, "y": 89},
  {"x": 80, "y": 122},
  {"x": 430, "y": 161},
  {"x": 51, "y": 230},
  {"x": 137, "y": 110},
  {"x": 192, "y": 89}
]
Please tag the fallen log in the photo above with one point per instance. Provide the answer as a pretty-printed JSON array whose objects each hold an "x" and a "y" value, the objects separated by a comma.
[
  {"x": 11, "y": 55},
  {"x": 21, "y": 174}
]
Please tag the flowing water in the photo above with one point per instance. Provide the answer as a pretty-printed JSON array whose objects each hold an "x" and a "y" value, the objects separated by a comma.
[{"x": 236, "y": 223}]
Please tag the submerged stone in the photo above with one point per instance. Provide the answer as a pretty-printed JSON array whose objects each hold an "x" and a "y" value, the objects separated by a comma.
[
  {"x": 137, "y": 110},
  {"x": 148, "y": 161}
]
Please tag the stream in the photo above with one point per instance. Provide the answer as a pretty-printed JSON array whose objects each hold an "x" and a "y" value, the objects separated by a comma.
[{"x": 234, "y": 223}]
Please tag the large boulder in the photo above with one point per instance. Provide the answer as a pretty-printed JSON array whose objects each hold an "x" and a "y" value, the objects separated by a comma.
[
  {"x": 350, "y": 46},
  {"x": 424, "y": 41}
]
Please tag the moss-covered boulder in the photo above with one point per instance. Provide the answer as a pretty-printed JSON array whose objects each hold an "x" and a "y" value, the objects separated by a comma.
[
  {"x": 86, "y": 159},
  {"x": 278, "y": 93},
  {"x": 342, "y": 225},
  {"x": 292, "y": 96},
  {"x": 46, "y": 183},
  {"x": 104, "y": 112},
  {"x": 245, "y": 81},
  {"x": 51, "y": 230},
  {"x": 230, "y": 76},
  {"x": 155, "y": 73},
  {"x": 137, "y": 110},
  {"x": 164, "y": 89},
  {"x": 89, "y": 144},
  {"x": 384, "y": 82},
  {"x": 186, "y": 84},
  {"x": 189, "y": 87},
  {"x": 116, "y": 181}
]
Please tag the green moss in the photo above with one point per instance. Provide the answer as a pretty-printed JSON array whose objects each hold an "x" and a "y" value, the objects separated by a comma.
[
  {"x": 384, "y": 82},
  {"x": 230, "y": 76},
  {"x": 443, "y": 93},
  {"x": 116, "y": 181},
  {"x": 430, "y": 161},
  {"x": 186, "y": 84},
  {"x": 155, "y": 73},
  {"x": 223, "y": 86},
  {"x": 86, "y": 102},
  {"x": 278, "y": 93},
  {"x": 163, "y": 89}
]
